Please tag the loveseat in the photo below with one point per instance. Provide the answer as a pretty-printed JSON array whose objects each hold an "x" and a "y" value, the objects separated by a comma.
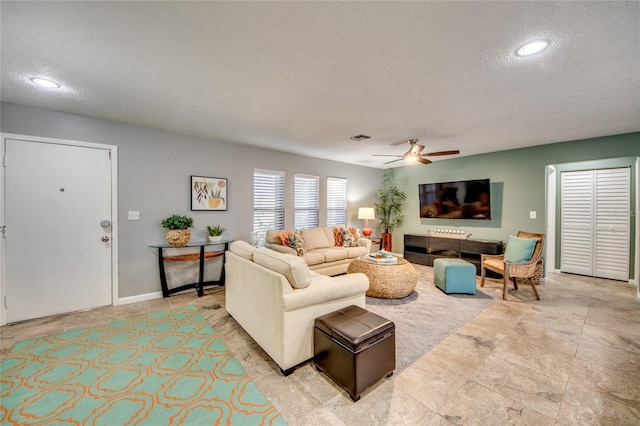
[
  {"x": 276, "y": 298},
  {"x": 324, "y": 250}
]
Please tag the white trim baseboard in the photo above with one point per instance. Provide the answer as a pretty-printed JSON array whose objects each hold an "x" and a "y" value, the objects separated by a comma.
[{"x": 140, "y": 298}]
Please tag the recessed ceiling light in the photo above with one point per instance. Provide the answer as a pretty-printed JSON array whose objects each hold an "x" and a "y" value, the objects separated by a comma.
[
  {"x": 532, "y": 48},
  {"x": 43, "y": 82}
]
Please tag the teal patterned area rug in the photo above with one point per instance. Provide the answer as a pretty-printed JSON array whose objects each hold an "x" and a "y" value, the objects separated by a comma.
[{"x": 157, "y": 369}]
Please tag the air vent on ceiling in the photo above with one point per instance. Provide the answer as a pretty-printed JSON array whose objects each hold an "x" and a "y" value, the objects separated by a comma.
[{"x": 359, "y": 137}]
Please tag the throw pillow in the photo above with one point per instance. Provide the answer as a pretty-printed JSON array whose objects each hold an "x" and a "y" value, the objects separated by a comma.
[
  {"x": 350, "y": 237},
  {"x": 519, "y": 249},
  {"x": 337, "y": 235},
  {"x": 297, "y": 243},
  {"x": 283, "y": 238}
]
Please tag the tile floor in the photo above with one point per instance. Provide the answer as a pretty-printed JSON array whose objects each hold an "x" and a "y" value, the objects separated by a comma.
[{"x": 572, "y": 358}]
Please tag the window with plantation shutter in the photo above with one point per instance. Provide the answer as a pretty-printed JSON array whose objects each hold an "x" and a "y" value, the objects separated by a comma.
[
  {"x": 307, "y": 193},
  {"x": 336, "y": 201},
  {"x": 268, "y": 202}
]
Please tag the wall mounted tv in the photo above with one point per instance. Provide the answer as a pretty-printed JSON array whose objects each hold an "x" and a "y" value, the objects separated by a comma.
[{"x": 467, "y": 199}]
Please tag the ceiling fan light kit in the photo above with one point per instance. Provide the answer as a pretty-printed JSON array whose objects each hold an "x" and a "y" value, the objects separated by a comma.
[{"x": 414, "y": 154}]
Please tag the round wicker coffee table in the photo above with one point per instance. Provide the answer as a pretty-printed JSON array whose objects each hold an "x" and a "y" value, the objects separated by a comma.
[{"x": 386, "y": 281}]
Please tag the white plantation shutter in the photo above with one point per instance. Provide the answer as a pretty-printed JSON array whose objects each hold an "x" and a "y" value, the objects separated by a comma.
[
  {"x": 268, "y": 202},
  {"x": 307, "y": 194},
  {"x": 336, "y": 201}
]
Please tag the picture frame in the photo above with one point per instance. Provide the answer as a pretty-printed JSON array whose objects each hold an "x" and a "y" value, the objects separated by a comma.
[{"x": 209, "y": 193}]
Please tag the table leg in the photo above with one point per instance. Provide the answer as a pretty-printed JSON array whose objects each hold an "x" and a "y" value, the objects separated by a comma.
[
  {"x": 163, "y": 276},
  {"x": 200, "y": 286}
]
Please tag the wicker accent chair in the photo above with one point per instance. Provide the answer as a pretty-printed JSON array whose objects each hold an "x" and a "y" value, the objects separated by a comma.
[{"x": 512, "y": 271}]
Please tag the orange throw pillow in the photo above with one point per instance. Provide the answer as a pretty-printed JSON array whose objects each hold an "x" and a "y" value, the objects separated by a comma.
[
  {"x": 283, "y": 238},
  {"x": 337, "y": 235}
]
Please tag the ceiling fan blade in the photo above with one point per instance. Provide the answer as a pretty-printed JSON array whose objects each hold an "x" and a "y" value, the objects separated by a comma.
[
  {"x": 393, "y": 161},
  {"x": 433, "y": 154},
  {"x": 423, "y": 160},
  {"x": 386, "y": 155},
  {"x": 400, "y": 142}
]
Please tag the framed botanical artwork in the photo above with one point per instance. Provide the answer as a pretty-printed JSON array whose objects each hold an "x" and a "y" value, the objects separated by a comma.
[{"x": 209, "y": 193}]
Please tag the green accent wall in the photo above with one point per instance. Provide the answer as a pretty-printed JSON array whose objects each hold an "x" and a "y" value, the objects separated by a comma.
[{"x": 518, "y": 184}]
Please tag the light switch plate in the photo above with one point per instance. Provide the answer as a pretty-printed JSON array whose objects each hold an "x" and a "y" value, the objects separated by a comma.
[
  {"x": 532, "y": 214},
  {"x": 134, "y": 215}
]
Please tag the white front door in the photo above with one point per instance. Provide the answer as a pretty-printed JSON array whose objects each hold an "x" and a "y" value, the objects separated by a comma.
[{"x": 58, "y": 248}]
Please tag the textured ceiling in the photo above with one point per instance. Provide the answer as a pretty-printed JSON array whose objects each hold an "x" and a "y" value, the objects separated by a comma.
[{"x": 303, "y": 77}]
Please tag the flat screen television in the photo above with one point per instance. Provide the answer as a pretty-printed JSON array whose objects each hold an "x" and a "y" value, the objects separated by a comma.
[{"x": 467, "y": 199}]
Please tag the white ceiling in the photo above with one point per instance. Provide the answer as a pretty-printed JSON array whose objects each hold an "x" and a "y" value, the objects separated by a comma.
[{"x": 303, "y": 77}]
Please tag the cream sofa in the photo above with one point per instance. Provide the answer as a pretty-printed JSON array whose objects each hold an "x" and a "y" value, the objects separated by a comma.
[
  {"x": 322, "y": 255},
  {"x": 276, "y": 298}
]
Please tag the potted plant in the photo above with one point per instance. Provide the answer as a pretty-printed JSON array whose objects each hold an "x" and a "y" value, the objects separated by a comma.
[
  {"x": 215, "y": 233},
  {"x": 389, "y": 212},
  {"x": 178, "y": 233}
]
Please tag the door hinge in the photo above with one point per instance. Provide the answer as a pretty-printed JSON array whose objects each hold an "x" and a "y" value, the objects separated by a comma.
[
  {"x": 4, "y": 161},
  {"x": 3, "y": 229},
  {"x": 109, "y": 155},
  {"x": 5, "y": 302}
]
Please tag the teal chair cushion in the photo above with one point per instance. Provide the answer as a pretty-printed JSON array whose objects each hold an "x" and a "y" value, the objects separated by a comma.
[{"x": 519, "y": 249}]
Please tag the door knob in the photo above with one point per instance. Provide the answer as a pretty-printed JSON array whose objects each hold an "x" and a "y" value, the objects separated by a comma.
[{"x": 105, "y": 238}]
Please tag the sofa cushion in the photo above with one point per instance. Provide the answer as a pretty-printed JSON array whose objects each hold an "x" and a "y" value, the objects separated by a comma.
[
  {"x": 353, "y": 252},
  {"x": 315, "y": 238},
  {"x": 313, "y": 257},
  {"x": 297, "y": 243},
  {"x": 328, "y": 233},
  {"x": 332, "y": 254},
  {"x": 242, "y": 249},
  {"x": 294, "y": 268}
]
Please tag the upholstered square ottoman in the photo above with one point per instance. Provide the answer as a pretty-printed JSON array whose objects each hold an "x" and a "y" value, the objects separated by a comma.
[
  {"x": 355, "y": 347},
  {"x": 454, "y": 276}
]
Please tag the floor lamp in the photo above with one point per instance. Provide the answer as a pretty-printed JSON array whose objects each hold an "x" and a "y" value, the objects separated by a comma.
[{"x": 366, "y": 213}]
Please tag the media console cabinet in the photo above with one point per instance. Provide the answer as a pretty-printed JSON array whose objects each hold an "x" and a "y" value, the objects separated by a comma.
[{"x": 424, "y": 249}]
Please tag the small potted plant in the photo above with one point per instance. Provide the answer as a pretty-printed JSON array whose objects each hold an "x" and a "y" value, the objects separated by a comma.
[
  {"x": 215, "y": 233},
  {"x": 178, "y": 233}
]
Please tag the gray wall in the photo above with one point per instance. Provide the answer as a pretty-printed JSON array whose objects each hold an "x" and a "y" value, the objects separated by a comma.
[
  {"x": 518, "y": 184},
  {"x": 154, "y": 177}
]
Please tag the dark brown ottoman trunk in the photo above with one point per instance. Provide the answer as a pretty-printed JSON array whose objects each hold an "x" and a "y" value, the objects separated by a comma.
[{"x": 355, "y": 347}]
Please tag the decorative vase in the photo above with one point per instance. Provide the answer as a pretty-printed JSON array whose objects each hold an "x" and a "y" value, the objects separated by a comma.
[
  {"x": 215, "y": 239},
  {"x": 178, "y": 237},
  {"x": 386, "y": 241}
]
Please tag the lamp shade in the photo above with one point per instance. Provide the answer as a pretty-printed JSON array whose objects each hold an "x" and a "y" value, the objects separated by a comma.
[{"x": 366, "y": 213}]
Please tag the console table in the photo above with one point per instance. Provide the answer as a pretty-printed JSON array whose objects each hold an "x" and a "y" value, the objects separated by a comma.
[
  {"x": 424, "y": 249},
  {"x": 199, "y": 286}
]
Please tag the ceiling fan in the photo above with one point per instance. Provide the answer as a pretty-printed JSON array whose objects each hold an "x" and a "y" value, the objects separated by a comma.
[{"x": 415, "y": 153}]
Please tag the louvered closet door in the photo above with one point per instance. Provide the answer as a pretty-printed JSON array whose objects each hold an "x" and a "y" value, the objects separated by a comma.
[
  {"x": 576, "y": 239},
  {"x": 595, "y": 210},
  {"x": 612, "y": 209}
]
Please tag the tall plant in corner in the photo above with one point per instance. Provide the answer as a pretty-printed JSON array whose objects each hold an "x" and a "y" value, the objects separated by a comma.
[{"x": 389, "y": 212}]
